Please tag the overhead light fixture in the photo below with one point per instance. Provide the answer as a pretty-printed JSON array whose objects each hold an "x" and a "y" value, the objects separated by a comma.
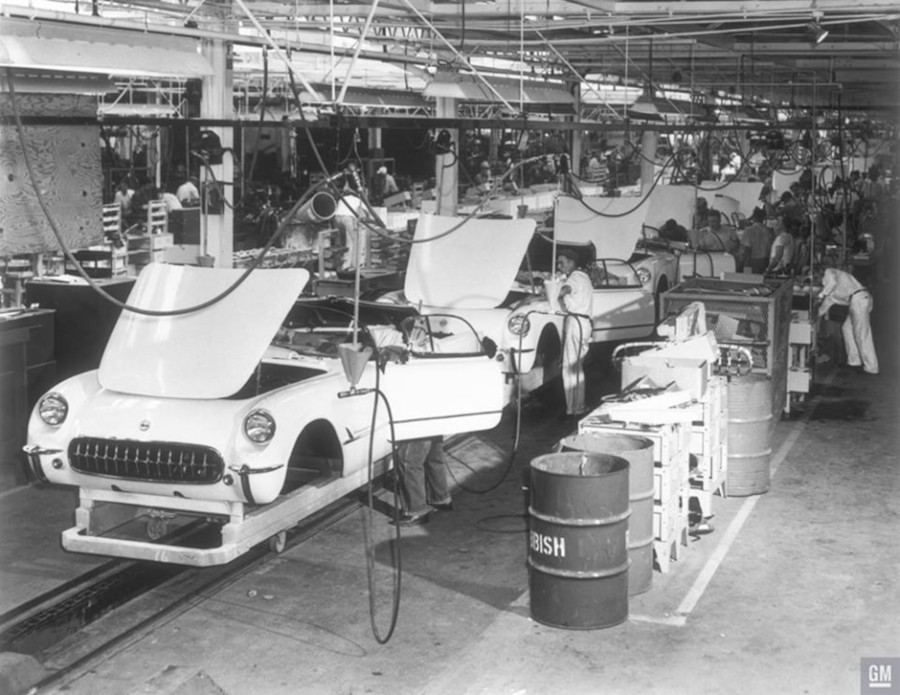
[{"x": 819, "y": 33}]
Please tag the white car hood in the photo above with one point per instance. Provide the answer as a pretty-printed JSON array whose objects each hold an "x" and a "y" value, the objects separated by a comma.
[
  {"x": 204, "y": 354},
  {"x": 614, "y": 233},
  {"x": 472, "y": 267}
]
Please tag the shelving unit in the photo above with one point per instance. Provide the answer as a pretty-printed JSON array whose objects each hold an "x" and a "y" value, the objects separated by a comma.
[
  {"x": 147, "y": 248},
  {"x": 671, "y": 444},
  {"x": 150, "y": 247},
  {"x": 709, "y": 445},
  {"x": 801, "y": 345}
]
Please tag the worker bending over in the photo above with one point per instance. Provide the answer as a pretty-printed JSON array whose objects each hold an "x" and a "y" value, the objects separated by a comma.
[
  {"x": 576, "y": 299},
  {"x": 840, "y": 287}
]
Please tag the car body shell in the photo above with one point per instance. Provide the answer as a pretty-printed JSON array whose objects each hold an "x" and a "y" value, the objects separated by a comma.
[
  {"x": 472, "y": 280},
  {"x": 159, "y": 439}
]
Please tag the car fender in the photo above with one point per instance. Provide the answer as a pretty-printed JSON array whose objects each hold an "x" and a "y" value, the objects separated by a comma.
[
  {"x": 77, "y": 391},
  {"x": 541, "y": 319}
]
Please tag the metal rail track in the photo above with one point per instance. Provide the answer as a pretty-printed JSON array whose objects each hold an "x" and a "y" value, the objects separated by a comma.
[{"x": 61, "y": 627}]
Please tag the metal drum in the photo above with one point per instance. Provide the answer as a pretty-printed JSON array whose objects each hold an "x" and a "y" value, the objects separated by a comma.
[
  {"x": 577, "y": 546},
  {"x": 638, "y": 451},
  {"x": 750, "y": 425}
]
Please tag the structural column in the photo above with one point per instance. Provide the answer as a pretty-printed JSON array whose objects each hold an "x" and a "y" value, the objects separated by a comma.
[
  {"x": 446, "y": 166},
  {"x": 648, "y": 160},
  {"x": 577, "y": 136},
  {"x": 217, "y": 225}
]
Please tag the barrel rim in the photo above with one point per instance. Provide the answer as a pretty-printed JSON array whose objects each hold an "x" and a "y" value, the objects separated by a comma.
[
  {"x": 618, "y": 464},
  {"x": 646, "y": 442}
]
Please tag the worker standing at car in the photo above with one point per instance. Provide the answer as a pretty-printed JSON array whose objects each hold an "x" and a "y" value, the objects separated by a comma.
[
  {"x": 422, "y": 473},
  {"x": 348, "y": 221},
  {"x": 715, "y": 237},
  {"x": 672, "y": 231},
  {"x": 840, "y": 287},
  {"x": 576, "y": 299},
  {"x": 758, "y": 240},
  {"x": 781, "y": 255}
]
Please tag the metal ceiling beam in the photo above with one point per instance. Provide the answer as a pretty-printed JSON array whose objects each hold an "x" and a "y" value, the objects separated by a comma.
[
  {"x": 846, "y": 63},
  {"x": 750, "y": 8},
  {"x": 890, "y": 75},
  {"x": 827, "y": 47}
]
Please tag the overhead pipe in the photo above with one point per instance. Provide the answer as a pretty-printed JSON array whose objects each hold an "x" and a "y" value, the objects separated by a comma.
[{"x": 319, "y": 208}]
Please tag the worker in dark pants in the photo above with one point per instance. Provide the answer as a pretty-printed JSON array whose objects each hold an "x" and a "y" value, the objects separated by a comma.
[
  {"x": 423, "y": 480},
  {"x": 758, "y": 241}
]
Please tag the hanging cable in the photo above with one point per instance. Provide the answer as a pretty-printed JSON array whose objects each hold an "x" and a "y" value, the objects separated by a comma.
[
  {"x": 67, "y": 252},
  {"x": 367, "y": 524},
  {"x": 644, "y": 199},
  {"x": 262, "y": 111}
]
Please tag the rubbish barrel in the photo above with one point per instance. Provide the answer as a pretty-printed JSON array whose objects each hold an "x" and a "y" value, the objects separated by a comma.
[
  {"x": 750, "y": 424},
  {"x": 577, "y": 549},
  {"x": 638, "y": 451}
]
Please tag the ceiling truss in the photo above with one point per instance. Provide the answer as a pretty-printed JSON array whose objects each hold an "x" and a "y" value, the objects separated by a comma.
[{"x": 755, "y": 50}]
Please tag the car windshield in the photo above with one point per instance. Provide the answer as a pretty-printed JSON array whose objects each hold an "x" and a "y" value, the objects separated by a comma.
[
  {"x": 611, "y": 273},
  {"x": 317, "y": 328},
  {"x": 440, "y": 334}
]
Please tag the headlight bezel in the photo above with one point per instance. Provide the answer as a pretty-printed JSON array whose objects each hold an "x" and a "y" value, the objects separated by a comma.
[
  {"x": 259, "y": 426},
  {"x": 519, "y": 325},
  {"x": 53, "y": 402},
  {"x": 644, "y": 275}
]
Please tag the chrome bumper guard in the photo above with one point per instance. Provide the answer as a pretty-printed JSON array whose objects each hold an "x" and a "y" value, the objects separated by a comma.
[{"x": 33, "y": 452}]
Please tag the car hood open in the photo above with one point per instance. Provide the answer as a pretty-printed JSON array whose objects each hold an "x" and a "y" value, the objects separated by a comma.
[
  {"x": 612, "y": 225},
  {"x": 471, "y": 267},
  {"x": 209, "y": 353}
]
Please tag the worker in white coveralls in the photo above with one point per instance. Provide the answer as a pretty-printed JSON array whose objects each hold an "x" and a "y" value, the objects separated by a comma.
[
  {"x": 840, "y": 287},
  {"x": 576, "y": 299}
]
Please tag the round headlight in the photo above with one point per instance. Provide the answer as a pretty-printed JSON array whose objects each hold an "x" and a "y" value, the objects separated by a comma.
[
  {"x": 259, "y": 426},
  {"x": 643, "y": 275},
  {"x": 518, "y": 324},
  {"x": 53, "y": 408}
]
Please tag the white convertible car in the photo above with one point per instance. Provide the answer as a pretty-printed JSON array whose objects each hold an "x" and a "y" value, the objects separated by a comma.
[
  {"x": 469, "y": 267},
  {"x": 259, "y": 400}
]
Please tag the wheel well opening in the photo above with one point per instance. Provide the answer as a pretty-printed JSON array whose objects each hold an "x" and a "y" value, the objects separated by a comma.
[
  {"x": 316, "y": 454},
  {"x": 549, "y": 347}
]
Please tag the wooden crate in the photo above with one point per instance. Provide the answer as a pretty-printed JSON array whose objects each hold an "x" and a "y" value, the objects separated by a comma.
[
  {"x": 709, "y": 445},
  {"x": 148, "y": 248}
]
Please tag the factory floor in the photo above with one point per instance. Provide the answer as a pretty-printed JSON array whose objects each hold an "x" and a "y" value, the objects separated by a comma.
[{"x": 788, "y": 594}]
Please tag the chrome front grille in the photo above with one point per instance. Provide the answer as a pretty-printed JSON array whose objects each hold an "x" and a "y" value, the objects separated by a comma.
[{"x": 159, "y": 462}]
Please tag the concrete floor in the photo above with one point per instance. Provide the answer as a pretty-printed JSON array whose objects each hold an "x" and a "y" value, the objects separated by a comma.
[{"x": 787, "y": 595}]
